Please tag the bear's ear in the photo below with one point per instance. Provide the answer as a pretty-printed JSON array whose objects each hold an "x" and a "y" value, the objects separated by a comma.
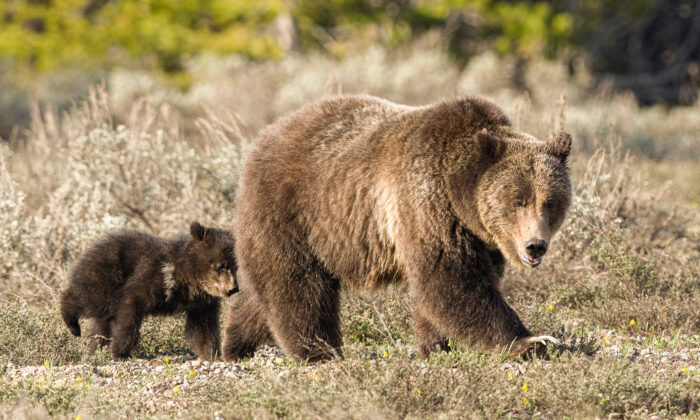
[
  {"x": 490, "y": 146},
  {"x": 560, "y": 146},
  {"x": 198, "y": 231}
]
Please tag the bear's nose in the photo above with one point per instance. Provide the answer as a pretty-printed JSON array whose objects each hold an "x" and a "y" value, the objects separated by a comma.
[
  {"x": 232, "y": 291},
  {"x": 536, "y": 248}
]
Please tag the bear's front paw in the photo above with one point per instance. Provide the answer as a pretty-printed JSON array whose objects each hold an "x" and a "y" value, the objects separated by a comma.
[{"x": 536, "y": 343}]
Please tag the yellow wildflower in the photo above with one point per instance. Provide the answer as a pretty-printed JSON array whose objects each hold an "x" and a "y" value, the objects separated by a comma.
[
  {"x": 510, "y": 374},
  {"x": 79, "y": 378},
  {"x": 316, "y": 378},
  {"x": 526, "y": 400},
  {"x": 449, "y": 344},
  {"x": 607, "y": 340},
  {"x": 191, "y": 372},
  {"x": 632, "y": 323},
  {"x": 550, "y": 307},
  {"x": 524, "y": 387},
  {"x": 602, "y": 400},
  {"x": 684, "y": 370},
  {"x": 386, "y": 353},
  {"x": 78, "y": 417},
  {"x": 176, "y": 390},
  {"x": 167, "y": 360},
  {"x": 420, "y": 394},
  {"x": 46, "y": 362}
]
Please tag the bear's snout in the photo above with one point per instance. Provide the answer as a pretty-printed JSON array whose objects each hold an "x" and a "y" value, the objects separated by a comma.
[{"x": 536, "y": 247}]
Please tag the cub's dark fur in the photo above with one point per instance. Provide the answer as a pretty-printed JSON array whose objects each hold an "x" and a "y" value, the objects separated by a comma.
[{"x": 130, "y": 274}]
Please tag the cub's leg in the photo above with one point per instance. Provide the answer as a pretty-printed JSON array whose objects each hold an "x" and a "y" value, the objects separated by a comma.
[
  {"x": 131, "y": 311},
  {"x": 126, "y": 328},
  {"x": 100, "y": 334},
  {"x": 246, "y": 326},
  {"x": 71, "y": 309},
  {"x": 202, "y": 328}
]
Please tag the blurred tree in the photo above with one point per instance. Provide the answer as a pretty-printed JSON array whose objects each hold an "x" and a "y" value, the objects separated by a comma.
[
  {"x": 651, "y": 47},
  {"x": 523, "y": 28}
]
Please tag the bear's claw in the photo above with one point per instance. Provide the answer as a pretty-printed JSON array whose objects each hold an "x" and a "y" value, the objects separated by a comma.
[
  {"x": 542, "y": 339},
  {"x": 525, "y": 344}
]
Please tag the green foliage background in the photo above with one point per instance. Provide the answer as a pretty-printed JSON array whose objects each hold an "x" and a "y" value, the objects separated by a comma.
[
  {"x": 39, "y": 35},
  {"x": 42, "y": 34},
  {"x": 656, "y": 42}
]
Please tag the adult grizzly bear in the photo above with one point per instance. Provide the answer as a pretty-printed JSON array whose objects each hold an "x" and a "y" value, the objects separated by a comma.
[
  {"x": 359, "y": 191},
  {"x": 129, "y": 274}
]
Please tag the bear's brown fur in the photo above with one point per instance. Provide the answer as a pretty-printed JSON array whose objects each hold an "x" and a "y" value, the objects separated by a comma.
[
  {"x": 130, "y": 274},
  {"x": 358, "y": 191}
]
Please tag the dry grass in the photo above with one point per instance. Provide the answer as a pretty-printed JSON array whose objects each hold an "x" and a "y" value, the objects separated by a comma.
[{"x": 628, "y": 252}]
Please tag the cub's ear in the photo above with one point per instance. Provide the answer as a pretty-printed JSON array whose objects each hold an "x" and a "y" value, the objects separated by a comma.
[
  {"x": 491, "y": 147},
  {"x": 560, "y": 146},
  {"x": 198, "y": 231}
]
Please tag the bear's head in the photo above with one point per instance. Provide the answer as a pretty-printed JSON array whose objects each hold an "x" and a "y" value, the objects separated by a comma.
[
  {"x": 213, "y": 260},
  {"x": 522, "y": 193}
]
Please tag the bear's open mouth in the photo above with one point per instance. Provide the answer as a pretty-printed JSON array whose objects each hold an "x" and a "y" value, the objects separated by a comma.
[{"x": 532, "y": 262}]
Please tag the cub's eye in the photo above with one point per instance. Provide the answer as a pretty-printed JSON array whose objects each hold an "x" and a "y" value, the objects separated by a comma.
[
  {"x": 518, "y": 204},
  {"x": 221, "y": 267}
]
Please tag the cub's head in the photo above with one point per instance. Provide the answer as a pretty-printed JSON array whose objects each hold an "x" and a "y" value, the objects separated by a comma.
[
  {"x": 525, "y": 192},
  {"x": 212, "y": 256}
]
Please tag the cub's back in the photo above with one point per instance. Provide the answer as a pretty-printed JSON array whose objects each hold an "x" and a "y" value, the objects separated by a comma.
[{"x": 110, "y": 261}]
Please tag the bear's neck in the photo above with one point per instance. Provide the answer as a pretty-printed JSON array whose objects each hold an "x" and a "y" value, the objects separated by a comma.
[{"x": 185, "y": 274}]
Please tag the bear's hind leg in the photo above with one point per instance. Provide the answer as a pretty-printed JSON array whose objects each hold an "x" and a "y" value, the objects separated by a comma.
[
  {"x": 429, "y": 339},
  {"x": 306, "y": 321},
  {"x": 100, "y": 333},
  {"x": 202, "y": 329},
  {"x": 246, "y": 326}
]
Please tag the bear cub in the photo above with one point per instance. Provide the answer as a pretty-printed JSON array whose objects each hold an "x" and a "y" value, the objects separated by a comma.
[{"x": 130, "y": 274}]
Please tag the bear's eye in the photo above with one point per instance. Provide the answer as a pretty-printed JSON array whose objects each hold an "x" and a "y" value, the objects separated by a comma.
[
  {"x": 221, "y": 267},
  {"x": 518, "y": 204}
]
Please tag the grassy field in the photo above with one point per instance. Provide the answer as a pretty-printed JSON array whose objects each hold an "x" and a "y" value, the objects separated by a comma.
[{"x": 621, "y": 290}]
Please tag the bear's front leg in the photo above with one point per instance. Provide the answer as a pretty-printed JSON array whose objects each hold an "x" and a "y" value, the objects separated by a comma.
[
  {"x": 126, "y": 327},
  {"x": 202, "y": 328},
  {"x": 456, "y": 296}
]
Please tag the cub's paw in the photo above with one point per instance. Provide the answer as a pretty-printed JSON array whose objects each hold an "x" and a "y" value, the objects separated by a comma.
[{"x": 532, "y": 344}]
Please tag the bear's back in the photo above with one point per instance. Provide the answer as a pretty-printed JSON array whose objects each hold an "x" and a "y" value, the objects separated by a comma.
[{"x": 312, "y": 174}]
